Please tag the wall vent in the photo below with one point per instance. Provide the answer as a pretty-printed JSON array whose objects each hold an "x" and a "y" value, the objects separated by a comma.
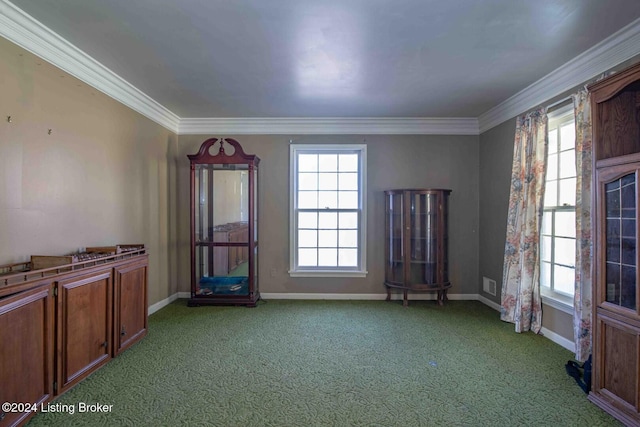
[{"x": 489, "y": 286}]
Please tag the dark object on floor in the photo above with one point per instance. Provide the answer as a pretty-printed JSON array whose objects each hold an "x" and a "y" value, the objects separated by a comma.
[{"x": 581, "y": 373}]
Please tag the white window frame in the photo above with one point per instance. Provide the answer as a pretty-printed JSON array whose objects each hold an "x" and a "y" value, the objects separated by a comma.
[
  {"x": 299, "y": 271},
  {"x": 558, "y": 300}
]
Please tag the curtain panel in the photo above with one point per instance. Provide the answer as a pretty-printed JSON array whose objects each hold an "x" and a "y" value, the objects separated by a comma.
[
  {"x": 582, "y": 296},
  {"x": 520, "y": 300}
]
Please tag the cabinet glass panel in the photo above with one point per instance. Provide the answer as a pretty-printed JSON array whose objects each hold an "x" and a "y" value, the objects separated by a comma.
[
  {"x": 620, "y": 208},
  {"x": 395, "y": 241}
]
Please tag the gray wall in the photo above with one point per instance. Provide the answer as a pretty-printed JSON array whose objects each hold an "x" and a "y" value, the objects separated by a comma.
[
  {"x": 100, "y": 178},
  {"x": 392, "y": 162}
]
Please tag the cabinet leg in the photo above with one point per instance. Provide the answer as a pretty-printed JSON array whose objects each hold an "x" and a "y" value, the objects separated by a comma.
[
  {"x": 388, "y": 294},
  {"x": 405, "y": 302}
]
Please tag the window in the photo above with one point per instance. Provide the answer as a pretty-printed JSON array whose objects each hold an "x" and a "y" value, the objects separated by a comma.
[
  {"x": 558, "y": 234},
  {"x": 327, "y": 214}
]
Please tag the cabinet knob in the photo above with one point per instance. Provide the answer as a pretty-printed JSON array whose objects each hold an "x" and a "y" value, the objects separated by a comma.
[
  {"x": 123, "y": 331},
  {"x": 105, "y": 344}
]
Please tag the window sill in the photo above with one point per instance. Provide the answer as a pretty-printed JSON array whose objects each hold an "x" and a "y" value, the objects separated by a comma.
[
  {"x": 322, "y": 273},
  {"x": 557, "y": 301}
]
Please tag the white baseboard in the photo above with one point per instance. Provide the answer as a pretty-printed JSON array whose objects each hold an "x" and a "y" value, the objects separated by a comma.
[
  {"x": 488, "y": 302},
  {"x": 364, "y": 297},
  {"x": 165, "y": 302},
  {"x": 558, "y": 339}
]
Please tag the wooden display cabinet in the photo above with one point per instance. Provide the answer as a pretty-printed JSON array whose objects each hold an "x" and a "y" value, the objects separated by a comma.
[
  {"x": 224, "y": 220},
  {"x": 615, "y": 106},
  {"x": 416, "y": 242}
]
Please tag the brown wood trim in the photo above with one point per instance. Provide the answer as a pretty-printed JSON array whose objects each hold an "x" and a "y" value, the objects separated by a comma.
[
  {"x": 617, "y": 161},
  {"x": 610, "y": 86}
]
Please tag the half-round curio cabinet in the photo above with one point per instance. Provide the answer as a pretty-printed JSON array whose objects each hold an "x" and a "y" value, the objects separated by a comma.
[
  {"x": 416, "y": 242},
  {"x": 224, "y": 225}
]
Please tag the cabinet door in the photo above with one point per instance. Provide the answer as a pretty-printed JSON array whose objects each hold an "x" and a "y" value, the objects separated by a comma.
[
  {"x": 84, "y": 326},
  {"x": 130, "y": 302},
  {"x": 26, "y": 350}
]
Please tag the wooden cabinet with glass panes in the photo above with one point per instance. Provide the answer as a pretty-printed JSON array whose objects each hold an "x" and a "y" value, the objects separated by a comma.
[
  {"x": 224, "y": 225},
  {"x": 615, "y": 106},
  {"x": 416, "y": 242}
]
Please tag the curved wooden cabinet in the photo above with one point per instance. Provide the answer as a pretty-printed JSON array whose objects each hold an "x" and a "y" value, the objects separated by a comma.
[{"x": 416, "y": 242}]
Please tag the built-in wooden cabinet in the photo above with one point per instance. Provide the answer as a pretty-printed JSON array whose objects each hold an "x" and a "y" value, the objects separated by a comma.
[
  {"x": 60, "y": 324},
  {"x": 26, "y": 350},
  {"x": 416, "y": 242},
  {"x": 84, "y": 318},
  {"x": 615, "y": 104},
  {"x": 130, "y": 304}
]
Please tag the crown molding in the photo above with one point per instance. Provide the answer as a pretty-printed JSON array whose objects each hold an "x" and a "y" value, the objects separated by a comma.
[
  {"x": 615, "y": 49},
  {"x": 30, "y": 34},
  {"x": 331, "y": 126}
]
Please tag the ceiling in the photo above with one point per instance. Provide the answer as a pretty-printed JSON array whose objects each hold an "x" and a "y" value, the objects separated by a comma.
[{"x": 328, "y": 58}]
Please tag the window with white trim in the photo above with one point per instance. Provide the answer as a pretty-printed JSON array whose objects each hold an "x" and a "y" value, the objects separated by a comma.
[
  {"x": 558, "y": 233},
  {"x": 327, "y": 210}
]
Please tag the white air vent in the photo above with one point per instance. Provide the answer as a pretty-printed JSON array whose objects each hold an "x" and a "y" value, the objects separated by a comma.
[{"x": 489, "y": 286}]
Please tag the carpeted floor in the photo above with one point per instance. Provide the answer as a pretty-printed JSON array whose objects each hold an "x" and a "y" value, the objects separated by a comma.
[{"x": 333, "y": 363}]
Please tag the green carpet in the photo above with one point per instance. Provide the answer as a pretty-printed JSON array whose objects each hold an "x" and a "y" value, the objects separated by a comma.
[{"x": 334, "y": 363}]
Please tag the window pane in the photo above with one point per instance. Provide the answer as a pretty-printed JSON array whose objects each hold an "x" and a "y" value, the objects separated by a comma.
[
  {"x": 546, "y": 223},
  {"x": 348, "y": 200},
  {"x": 568, "y": 136},
  {"x": 348, "y": 163},
  {"x": 307, "y": 181},
  {"x": 563, "y": 279},
  {"x": 348, "y": 257},
  {"x": 327, "y": 199},
  {"x": 567, "y": 192},
  {"x": 308, "y": 257},
  {"x": 327, "y": 257},
  {"x": 307, "y": 200},
  {"x": 327, "y": 238},
  {"x": 348, "y": 220},
  {"x": 307, "y": 162},
  {"x": 565, "y": 251},
  {"x": 328, "y": 220},
  {"x": 552, "y": 167},
  {"x": 545, "y": 274},
  {"x": 328, "y": 181},
  {"x": 307, "y": 238},
  {"x": 307, "y": 220},
  {"x": 348, "y": 238},
  {"x": 328, "y": 162},
  {"x": 551, "y": 193},
  {"x": 348, "y": 181},
  {"x": 566, "y": 224},
  {"x": 553, "y": 140},
  {"x": 568, "y": 164},
  {"x": 545, "y": 248}
]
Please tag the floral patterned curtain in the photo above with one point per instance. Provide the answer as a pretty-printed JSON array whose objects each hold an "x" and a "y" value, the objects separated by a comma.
[
  {"x": 521, "y": 303},
  {"x": 582, "y": 297}
]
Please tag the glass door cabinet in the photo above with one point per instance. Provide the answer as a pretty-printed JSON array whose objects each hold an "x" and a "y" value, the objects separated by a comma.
[
  {"x": 416, "y": 242},
  {"x": 615, "y": 327},
  {"x": 224, "y": 224}
]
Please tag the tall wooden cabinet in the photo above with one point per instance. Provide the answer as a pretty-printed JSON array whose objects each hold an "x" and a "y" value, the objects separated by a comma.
[
  {"x": 615, "y": 103},
  {"x": 224, "y": 224},
  {"x": 416, "y": 242}
]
